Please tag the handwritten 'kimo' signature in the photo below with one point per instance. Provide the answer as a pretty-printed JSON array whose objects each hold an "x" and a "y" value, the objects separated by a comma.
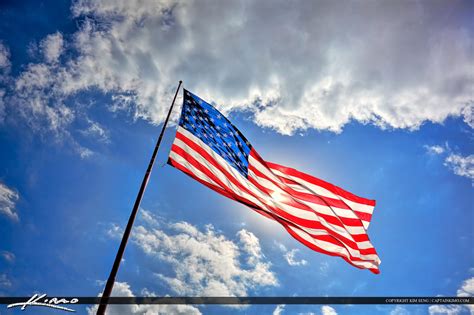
[{"x": 41, "y": 300}]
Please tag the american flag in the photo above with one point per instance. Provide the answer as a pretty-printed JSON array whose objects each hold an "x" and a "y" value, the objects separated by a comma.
[{"x": 322, "y": 216}]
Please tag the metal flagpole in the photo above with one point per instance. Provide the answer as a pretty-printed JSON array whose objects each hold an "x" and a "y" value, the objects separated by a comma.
[{"x": 113, "y": 273}]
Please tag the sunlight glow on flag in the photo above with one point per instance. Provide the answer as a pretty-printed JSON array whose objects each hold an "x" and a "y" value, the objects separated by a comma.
[{"x": 324, "y": 217}]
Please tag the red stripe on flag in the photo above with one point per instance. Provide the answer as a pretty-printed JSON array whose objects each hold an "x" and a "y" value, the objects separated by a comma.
[
  {"x": 290, "y": 206},
  {"x": 319, "y": 182}
]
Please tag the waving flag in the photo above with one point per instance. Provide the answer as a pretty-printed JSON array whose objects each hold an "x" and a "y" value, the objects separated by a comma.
[{"x": 324, "y": 217}]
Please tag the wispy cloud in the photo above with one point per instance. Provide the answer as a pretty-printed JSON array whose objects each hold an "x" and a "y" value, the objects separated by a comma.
[
  {"x": 466, "y": 290},
  {"x": 462, "y": 165},
  {"x": 292, "y": 261},
  {"x": 290, "y": 255},
  {"x": 4, "y": 69},
  {"x": 5, "y": 281},
  {"x": 468, "y": 113},
  {"x": 123, "y": 289},
  {"x": 84, "y": 152},
  {"x": 279, "y": 309},
  {"x": 399, "y": 310},
  {"x": 324, "y": 268},
  {"x": 96, "y": 131},
  {"x": 114, "y": 231},
  {"x": 52, "y": 47},
  {"x": 445, "y": 309},
  {"x": 148, "y": 218},
  {"x": 4, "y": 57},
  {"x": 8, "y": 256},
  {"x": 434, "y": 149},
  {"x": 328, "y": 310},
  {"x": 8, "y": 199},
  {"x": 33, "y": 99}
]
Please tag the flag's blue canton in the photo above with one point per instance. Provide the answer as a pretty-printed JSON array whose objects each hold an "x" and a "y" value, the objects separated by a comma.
[{"x": 209, "y": 125}]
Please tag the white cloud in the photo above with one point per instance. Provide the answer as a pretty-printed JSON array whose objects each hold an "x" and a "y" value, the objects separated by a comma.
[
  {"x": 289, "y": 255},
  {"x": 2, "y": 106},
  {"x": 251, "y": 245},
  {"x": 399, "y": 310},
  {"x": 52, "y": 47},
  {"x": 115, "y": 231},
  {"x": 38, "y": 103},
  {"x": 434, "y": 149},
  {"x": 96, "y": 131},
  {"x": 123, "y": 289},
  {"x": 8, "y": 256},
  {"x": 205, "y": 262},
  {"x": 312, "y": 75},
  {"x": 4, "y": 57},
  {"x": 85, "y": 153},
  {"x": 4, "y": 69},
  {"x": 5, "y": 282},
  {"x": 445, "y": 309},
  {"x": 324, "y": 268},
  {"x": 148, "y": 217},
  {"x": 279, "y": 309},
  {"x": 466, "y": 290},
  {"x": 468, "y": 114},
  {"x": 280, "y": 246},
  {"x": 311, "y": 65},
  {"x": 461, "y": 165},
  {"x": 8, "y": 199},
  {"x": 292, "y": 261},
  {"x": 34, "y": 99},
  {"x": 328, "y": 310}
]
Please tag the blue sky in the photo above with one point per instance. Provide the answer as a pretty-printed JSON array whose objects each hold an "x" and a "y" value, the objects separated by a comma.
[{"x": 377, "y": 102}]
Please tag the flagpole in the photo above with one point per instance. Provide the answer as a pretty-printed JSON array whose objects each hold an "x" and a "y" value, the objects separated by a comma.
[{"x": 113, "y": 273}]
